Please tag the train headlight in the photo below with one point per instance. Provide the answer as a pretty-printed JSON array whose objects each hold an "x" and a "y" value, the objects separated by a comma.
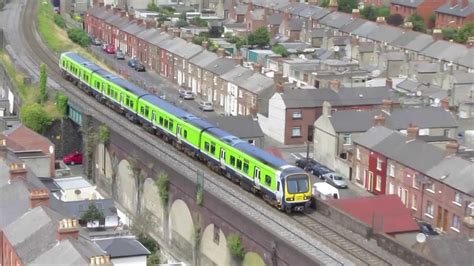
[{"x": 290, "y": 199}]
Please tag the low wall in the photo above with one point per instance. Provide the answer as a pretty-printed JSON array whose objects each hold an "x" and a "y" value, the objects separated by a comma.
[{"x": 383, "y": 240}]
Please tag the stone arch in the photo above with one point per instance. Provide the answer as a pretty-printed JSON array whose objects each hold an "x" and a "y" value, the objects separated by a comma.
[
  {"x": 152, "y": 202},
  {"x": 181, "y": 225},
  {"x": 253, "y": 259},
  {"x": 213, "y": 247},
  {"x": 126, "y": 188}
]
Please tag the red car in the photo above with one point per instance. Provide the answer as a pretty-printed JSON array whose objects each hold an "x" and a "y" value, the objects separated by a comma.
[
  {"x": 73, "y": 158},
  {"x": 110, "y": 49}
]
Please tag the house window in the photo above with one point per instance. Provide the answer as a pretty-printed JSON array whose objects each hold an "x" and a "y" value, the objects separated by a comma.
[
  {"x": 297, "y": 115},
  {"x": 378, "y": 184},
  {"x": 429, "y": 209},
  {"x": 216, "y": 234},
  {"x": 379, "y": 164},
  {"x": 416, "y": 182},
  {"x": 296, "y": 132},
  {"x": 357, "y": 173},
  {"x": 391, "y": 170},
  {"x": 457, "y": 198},
  {"x": 391, "y": 188},
  {"x": 347, "y": 139},
  {"x": 240, "y": 94},
  {"x": 430, "y": 187},
  {"x": 456, "y": 223},
  {"x": 358, "y": 154},
  {"x": 413, "y": 202},
  {"x": 446, "y": 133}
]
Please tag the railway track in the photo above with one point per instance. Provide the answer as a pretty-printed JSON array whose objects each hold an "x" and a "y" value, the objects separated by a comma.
[{"x": 120, "y": 124}]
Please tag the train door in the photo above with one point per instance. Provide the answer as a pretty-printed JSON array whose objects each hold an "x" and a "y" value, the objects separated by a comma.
[
  {"x": 121, "y": 99},
  {"x": 222, "y": 157},
  {"x": 256, "y": 177},
  {"x": 153, "y": 118},
  {"x": 178, "y": 132}
]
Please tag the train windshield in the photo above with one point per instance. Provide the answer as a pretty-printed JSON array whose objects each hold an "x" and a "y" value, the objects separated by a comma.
[{"x": 298, "y": 184}]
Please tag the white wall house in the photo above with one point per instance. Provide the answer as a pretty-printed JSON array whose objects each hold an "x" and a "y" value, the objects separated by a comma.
[{"x": 274, "y": 125}]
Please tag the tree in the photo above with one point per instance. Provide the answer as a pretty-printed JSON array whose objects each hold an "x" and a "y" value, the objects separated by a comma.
[
  {"x": 465, "y": 32},
  {"x": 43, "y": 78},
  {"x": 61, "y": 101},
  {"x": 198, "y": 40},
  {"x": 198, "y": 22},
  {"x": 92, "y": 214},
  {"x": 449, "y": 34},
  {"x": 346, "y": 6},
  {"x": 104, "y": 137},
  {"x": 35, "y": 117},
  {"x": 234, "y": 245},
  {"x": 280, "y": 49},
  {"x": 371, "y": 12},
  {"x": 260, "y": 37},
  {"x": 78, "y": 36},
  {"x": 324, "y": 3},
  {"x": 163, "y": 183},
  {"x": 153, "y": 7},
  {"x": 181, "y": 23},
  {"x": 395, "y": 20},
  {"x": 418, "y": 22}
]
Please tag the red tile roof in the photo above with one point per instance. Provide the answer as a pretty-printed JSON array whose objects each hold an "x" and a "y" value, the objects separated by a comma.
[
  {"x": 275, "y": 152},
  {"x": 383, "y": 210}
]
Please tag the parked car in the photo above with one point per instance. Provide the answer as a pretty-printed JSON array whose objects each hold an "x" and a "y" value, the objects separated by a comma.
[
  {"x": 140, "y": 67},
  {"x": 73, "y": 158},
  {"x": 96, "y": 42},
  {"x": 132, "y": 62},
  {"x": 318, "y": 170},
  {"x": 335, "y": 179},
  {"x": 110, "y": 49},
  {"x": 426, "y": 228},
  {"x": 304, "y": 163},
  {"x": 186, "y": 95},
  {"x": 104, "y": 46},
  {"x": 119, "y": 55},
  {"x": 206, "y": 106}
]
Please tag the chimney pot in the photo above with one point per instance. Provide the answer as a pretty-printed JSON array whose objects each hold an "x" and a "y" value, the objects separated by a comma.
[
  {"x": 408, "y": 25},
  {"x": 150, "y": 23},
  {"x": 452, "y": 147},
  {"x": 123, "y": 13},
  {"x": 412, "y": 132},
  {"x": 39, "y": 196},
  {"x": 279, "y": 88},
  {"x": 239, "y": 60},
  {"x": 333, "y": 5},
  {"x": 278, "y": 77},
  {"x": 355, "y": 13},
  {"x": 18, "y": 171},
  {"x": 335, "y": 85},
  {"x": 389, "y": 83},
  {"x": 379, "y": 120},
  {"x": 189, "y": 39},
  {"x": 205, "y": 44},
  {"x": 177, "y": 33},
  {"x": 380, "y": 20},
  {"x": 437, "y": 34},
  {"x": 220, "y": 52},
  {"x": 257, "y": 68},
  {"x": 68, "y": 228},
  {"x": 470, "y": 42},
  {"x": 387, "y": 105},
  {"x": 130, "y": 17},
  {"x": 163, "y": 28}
]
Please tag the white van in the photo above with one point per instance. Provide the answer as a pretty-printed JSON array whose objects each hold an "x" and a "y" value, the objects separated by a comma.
[{"x": 324, "y": 191}]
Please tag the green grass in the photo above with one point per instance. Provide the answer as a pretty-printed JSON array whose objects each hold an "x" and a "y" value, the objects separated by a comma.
[{"x": 54, "y": 37}]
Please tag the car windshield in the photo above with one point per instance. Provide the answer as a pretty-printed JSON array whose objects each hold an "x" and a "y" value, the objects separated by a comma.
[
  {"x": 337, "y": 177},
  {"x": 298, "y": 184}
]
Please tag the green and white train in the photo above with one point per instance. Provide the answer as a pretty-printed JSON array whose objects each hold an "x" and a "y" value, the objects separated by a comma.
[{"x": 285, "y": 186}]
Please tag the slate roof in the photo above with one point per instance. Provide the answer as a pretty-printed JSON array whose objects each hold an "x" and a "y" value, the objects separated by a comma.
[
  {"x": 365, "y": 29},
  {"x": 456, "y": 172},
  {"x": 457, "y": 10},
  {"x": 75, "y": 252},
  {"x": 258, "y": 14},
  {"x": 395, "y": 55},
  {"x": 203, "y": 58},
  {"x": 336, "y": 20},
  {"x": 396, "y": 217},
  {"x": 237, "y": 74},
  {"x": 295, "y": 24},
  {"x": 133, "y": 28},
  {"x": 220, "y": 66},
  {"x": 444, "y": 50},
  {"x": 148, "y": 34},
  {"x": 77, "y": 182},
  {"x": 241, "y": 9},
  {"x": 397, "y": 119},
  {"x": 415, "y": 154},
  {"x": 314, "y": 12},
  {"x": 256, "y": 83},
  {"x": 466, "y": 60},
  {"x": 158, "y": 38},
  {"x": 413, "y": 40},
  {"x": 188, "y": 50},
  {"x": 122, "y": 247},
  {"x": 240, "y": 126},
  {"x": 424, "y": 66},
  {"x": 409, "y": 3},
  {"x": 307, "y": 98},
  {"x": 426, "y": 90},
  {"x": 275, "y": 19},
  {"x": 356, "y": 23},
  {"x": 366, "y": 47},
  {"x": 463, "y": 78},
  {"x": 449, "y": 250},
  {"x": 295, "y": 8},
  {"x": 385, "y": 33},
  {"x": 75, "y": 209}
]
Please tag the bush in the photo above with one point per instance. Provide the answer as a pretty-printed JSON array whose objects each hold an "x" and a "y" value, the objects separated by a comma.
[
  {"x": 59, "y": 21},
  {"x": 163, "y": 186},
  {"x": 35, "y": 117},
  {"x": 92, "y": 214},
  {"x": 260, "y": 37},
  {"x": 61, "y": 103},
  {"x": 418, "y": 22},
  {"x": 234, "y": 245},
  {"x": 148, "y": 242},
  {"x": 279, "y": 49},
  {"x": 198, "y": 40},
  {"x": 43, "y": 79},
  {"x": 395, "y": 20},
  {"x": 78, "y": 36}
]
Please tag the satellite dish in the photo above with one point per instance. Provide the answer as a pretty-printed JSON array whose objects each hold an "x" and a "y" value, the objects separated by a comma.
[
  {"x": 436, "y": 100},
  {"x": 420, "y": 238},
  {"x": 336, "y": 48}
]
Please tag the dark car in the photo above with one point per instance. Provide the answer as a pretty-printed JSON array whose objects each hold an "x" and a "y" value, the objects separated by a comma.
[
  {"x": 427, "y": 229},
  {"x": 73, "y": 158},
  {"x": 140, "y": 67},
  {"x": 318, "y": 170},
  {"x": 132, "y": 62},
  {"x": 305, "y": 163}
]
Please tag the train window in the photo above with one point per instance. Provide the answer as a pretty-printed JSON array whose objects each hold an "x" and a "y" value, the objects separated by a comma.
[
  {"x": 246, "y": 166},
  {"x": 171, "y": 125},
  {"x": 141, "y": 110},
  {"x": 161, "y": 120},
  {"x": 166, "y": 123},
  {"x": 185, "y": 134},
  {"x": 213, "y": 148},
  {"x": 278, "y": 186},
  {"x": 232, "y": 160},
  {"x": 268, "y": 180},
  {"x": 146, "y": 111},
  {"x": 64, "y": 63},
  {"x": 131, "y": 104},
  {"x": 127, "y": 100},
  {"x": 206, "y": 146},
  {"x": 239, "y": 164},
  {"x": 108, "y": 89}
]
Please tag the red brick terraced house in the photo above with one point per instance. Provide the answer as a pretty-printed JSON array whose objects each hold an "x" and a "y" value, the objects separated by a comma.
[
  {"x": 422, "y": 7},
  {"x": 455, "y": 14},
  {"x": 435, "y": 184}
]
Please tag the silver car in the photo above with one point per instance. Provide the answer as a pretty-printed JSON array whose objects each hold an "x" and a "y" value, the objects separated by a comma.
[
  {"x": 119, "y": 55},
  {"x": 335, "y": 179},
  {"x": 186, "y": 95},
  {"x": 206, "y": 106}
]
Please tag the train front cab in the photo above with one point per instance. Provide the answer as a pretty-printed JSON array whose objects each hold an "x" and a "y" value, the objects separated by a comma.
[{"x": 297, "y": 192}]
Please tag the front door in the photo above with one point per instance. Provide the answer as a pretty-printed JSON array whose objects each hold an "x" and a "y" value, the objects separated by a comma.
[
  {"x": 439, "y": 216},
  {"x": 445, "y": 220},
  {"x": 256, "y": 176},
  {"x": 370, "y": 185}
]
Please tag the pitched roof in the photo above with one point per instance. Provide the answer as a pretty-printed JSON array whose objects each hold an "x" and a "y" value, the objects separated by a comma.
[
  {"x": 415, "y": 154},
  {"x": 314, "y": 12},
  {"x": 424, "y": 66},
  {"x": 444, "y": 50},
  {"x": 275, "y": 19},
  {"x": 456, "y": 172},
  {"x": 203, "y": 58},
  {"x": 304, "y": 98},
  {"x": 75, "y": 209},
  {"x": 413, "y": 40},
  {"x": 75, "y": 252},
  {"x": 336, "y": 20},
  {"x": 364, "y": 29},
  {"x": 256, "y": 83},
  {"x": 24, "y": 138},
  {"x": 388, "y": 209},
  {"x": 237, "y": 74},
  {"x": 366, "y": 47},
  {"x": 449, "y": 250},
  {"x": 76, "y": 182},
  {"x": 463, "y": 78},
  {"x": 457, "y": 10},
  {"x": 258, "y": 14},
  {"x": 409, "y": 3},
  {"x": 385, "y": 33},
  {"x": 397, "y": 119},
  {"x": 295, "y": 24},
  {"x": 220, "y": 66},
  {"x": 240, "y": 126},
  {"x": 122, "y": 247}
]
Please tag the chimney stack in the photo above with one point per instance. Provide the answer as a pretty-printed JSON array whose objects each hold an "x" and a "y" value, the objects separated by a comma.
[
  {"x": 107, "y": 7},
  {"x": 205, "y": 44},
  {"x": 286, "y": 16},
  {"x": 387, "y": 105},
  {"x": 452, "y": 148},
  {"x": 278, "y": 77},
  {"x": 445, "y": 103},
  {"x": 333, "y": 6},
  {"x": 454, "y": 3},
  {"x": 239, "y": 60},
  {"x": 412, "y": 132},
  {"x": 139, "y": 21},
  {"x": 470, "y": 42},
  {"x": 130, "y": 17},
  {"x": 163, "y": 28},
  {"x": 379, "y": 120},
  {"x": 335, "y": 85},
  {"x": 220, "y": 52},
  {"x": 116, "y": 10},
  {"x": 101, "y": 4},
  {"x": 68, "y": 228},
  {"x": 355, "y": 13},
  {"x": 150, "y": 23},
  {"x": 389, "y": 83},
  {"x": 177, "y": 33},
  {"x": 3, "y": 149},
  {"x": 39, "y": 196},
  {"x": 100, "y": 261},
  {"x": 250, "y": 6},
  {"x": 257, "y": 68},
  {"x": 17, "y": 171},
  {"x": 381, "y": 20},
  {"x": 464, "y": 3},
  {"x": 189, "y": 39},
  {"x": 408, "y": 26},
  {"x": 123, "y": 13},
  {"x": 279, "y": 88},
  {"x": 437, "y": 34},
  {"x": 326, "y": 109}
]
